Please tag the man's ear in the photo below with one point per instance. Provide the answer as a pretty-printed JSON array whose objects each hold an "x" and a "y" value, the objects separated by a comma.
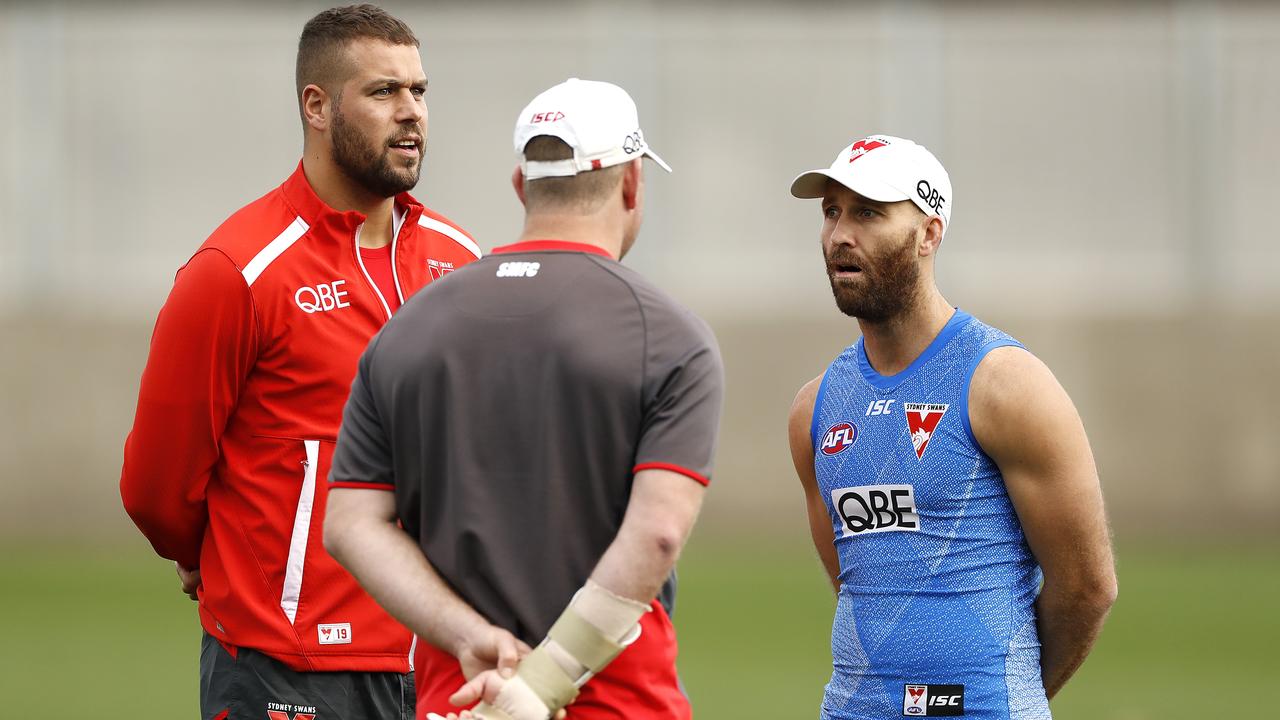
[
  {"x": 632, "y": 179},
  {"x": 932, "y": 237},
  {"x": 517, "y": 182},
  {"x": 317, "y": 111}
]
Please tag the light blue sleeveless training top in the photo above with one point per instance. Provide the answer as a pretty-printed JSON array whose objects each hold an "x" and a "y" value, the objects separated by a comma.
[{"x": 934, "y": 616}]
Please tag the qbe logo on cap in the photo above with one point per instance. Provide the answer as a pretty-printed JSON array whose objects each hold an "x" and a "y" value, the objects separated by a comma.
[{"x": 933, "y": 700}]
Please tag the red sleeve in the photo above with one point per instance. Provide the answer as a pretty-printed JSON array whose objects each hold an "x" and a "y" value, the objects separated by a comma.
[{"x": 203, "y": 347}]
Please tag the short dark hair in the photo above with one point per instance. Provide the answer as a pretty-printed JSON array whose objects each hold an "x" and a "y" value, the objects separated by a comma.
[
  {"x": 584, "y": 192},
  {"x": 322, "y": 48}
]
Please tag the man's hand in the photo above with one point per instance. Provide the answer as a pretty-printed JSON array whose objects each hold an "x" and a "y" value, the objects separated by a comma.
[
  {"x": 361, "y": 532},
  {"x": 486, "y": 688},
  {"x": 493, "y": 648},
  {"x": 190, "y": 578}
]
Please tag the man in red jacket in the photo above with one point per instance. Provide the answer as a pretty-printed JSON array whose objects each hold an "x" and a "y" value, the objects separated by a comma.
[{"x": 251, "y": 360}]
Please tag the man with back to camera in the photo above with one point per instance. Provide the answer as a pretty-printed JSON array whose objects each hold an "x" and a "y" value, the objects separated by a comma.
[
  {"x": 945, "y": 472},
  {"x": 250, "y": 362},
  {"x": 547, "y": 455}
]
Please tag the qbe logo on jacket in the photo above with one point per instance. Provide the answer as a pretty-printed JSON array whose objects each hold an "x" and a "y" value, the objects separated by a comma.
[
  {"x": 321, "y": 298},
  {"x": 933, "y": 700},
  {"x": 876, "y": 508}
]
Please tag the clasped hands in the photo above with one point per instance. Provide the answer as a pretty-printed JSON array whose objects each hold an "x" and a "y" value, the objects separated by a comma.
[{"x": 488, "y": 661}]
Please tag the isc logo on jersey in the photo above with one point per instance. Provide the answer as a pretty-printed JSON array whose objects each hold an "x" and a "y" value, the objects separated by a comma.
[
  {"x": 839, "y": 437},
  {"x": 933, "y": 700},
  {"x": 880, "y": 407},
  {"x": 876, "y": 508},
  {"x": 518, "y": 269}
]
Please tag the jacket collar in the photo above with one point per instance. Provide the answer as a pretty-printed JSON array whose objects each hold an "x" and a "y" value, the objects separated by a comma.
[{"x": 300, "y": 196}]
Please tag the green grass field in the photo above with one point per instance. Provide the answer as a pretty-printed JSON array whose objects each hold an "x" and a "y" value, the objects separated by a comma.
[{"x": 103, "y": 634}]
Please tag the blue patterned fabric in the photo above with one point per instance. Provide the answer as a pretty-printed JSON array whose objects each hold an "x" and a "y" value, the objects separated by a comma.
[{"x": 937, "y": 581}]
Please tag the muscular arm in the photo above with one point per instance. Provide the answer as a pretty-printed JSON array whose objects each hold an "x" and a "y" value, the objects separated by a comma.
[
  {"x": 361, "y": 533},
  {"x": 1024, "y": 420},
  {"x": 798, "y": 423},
  {"x": 202, "y": 350},
  {"x": 659, "y": 517}
]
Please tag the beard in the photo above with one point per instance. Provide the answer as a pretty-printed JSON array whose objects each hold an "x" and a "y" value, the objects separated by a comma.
[
  {"x": 888, "y": 286},
  {"x": 374, "y": 169}
]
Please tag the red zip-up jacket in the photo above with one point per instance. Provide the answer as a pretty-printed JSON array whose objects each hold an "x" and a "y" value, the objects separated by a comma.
[{"x": 251, "y": 361}]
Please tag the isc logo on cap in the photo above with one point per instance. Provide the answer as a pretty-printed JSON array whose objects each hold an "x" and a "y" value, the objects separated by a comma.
[{"x": 839, "y": 438}]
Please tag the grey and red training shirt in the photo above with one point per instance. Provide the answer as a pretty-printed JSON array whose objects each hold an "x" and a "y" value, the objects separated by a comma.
[{"x": 508, "y": 408}]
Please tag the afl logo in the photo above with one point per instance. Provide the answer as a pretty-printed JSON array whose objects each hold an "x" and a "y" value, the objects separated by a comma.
[{"x": 838, "y": 438}]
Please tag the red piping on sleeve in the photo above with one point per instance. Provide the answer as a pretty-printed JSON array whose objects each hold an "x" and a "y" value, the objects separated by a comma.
[
  {"x": 362, "y": 485},
  {"x": 672, "y": 468}
]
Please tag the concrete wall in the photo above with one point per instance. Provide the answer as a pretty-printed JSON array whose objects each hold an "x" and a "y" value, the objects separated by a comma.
[{"x": 1114, "y": 169}]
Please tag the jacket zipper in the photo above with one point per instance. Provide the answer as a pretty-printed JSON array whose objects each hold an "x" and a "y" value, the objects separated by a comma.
[
  {"x": 368, "y": 278},
  {"x": 395, "y": 273}
]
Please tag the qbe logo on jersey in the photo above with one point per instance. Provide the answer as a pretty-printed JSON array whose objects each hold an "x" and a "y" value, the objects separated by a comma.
[
  {"x": 933, "y": 700},
  {"x": 839, "y": 437},
  {"x": 922, "y": 421},
  {"x": 876, "y": 508}
]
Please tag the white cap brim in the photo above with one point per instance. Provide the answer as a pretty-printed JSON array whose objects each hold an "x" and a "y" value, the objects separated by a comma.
[
  {"x": 661, "y": 163},
  {"x": 813, "y": 184},
  {"x": 535, "y": 169}
]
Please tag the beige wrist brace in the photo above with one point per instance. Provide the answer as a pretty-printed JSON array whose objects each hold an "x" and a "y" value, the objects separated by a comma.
[{"x": 589, "y": 634}]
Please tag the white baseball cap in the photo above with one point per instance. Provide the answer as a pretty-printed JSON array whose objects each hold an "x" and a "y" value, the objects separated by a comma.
[
  {"x": 886, "y": 169},
  {"x": 597, "y": 119}
]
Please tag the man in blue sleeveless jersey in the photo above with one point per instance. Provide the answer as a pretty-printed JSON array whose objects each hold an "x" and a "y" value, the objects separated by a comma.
[{"x": 946, "y": 473}]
